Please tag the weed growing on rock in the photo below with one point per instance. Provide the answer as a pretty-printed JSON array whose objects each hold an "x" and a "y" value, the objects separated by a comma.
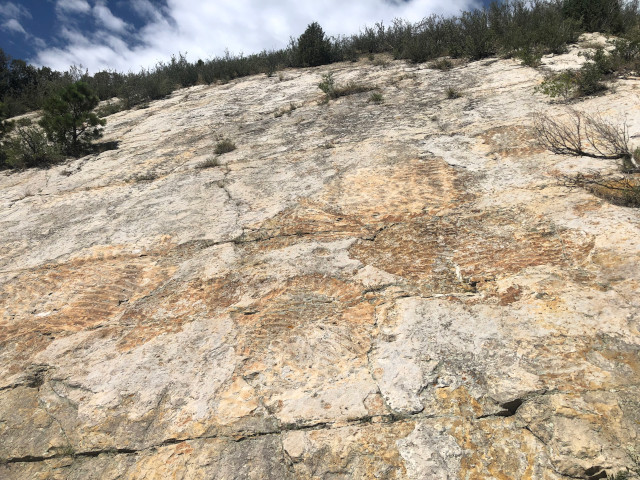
[
  {"x": 333, "y": 91},
  {"x": 571, "y": 84},
  {"x": 68, "y": 451},
  {"x": 376, "y": 97},
  {"x": 224, "y": 146},
  {"x": 558, "y": 85},
  {"x": 584, "y": 82},
  {"x": 328, "y": 84},
  {"x": 209, "y": 163},
  {"x": 529, "y": 56},
  {"x": 145, "y": 177},
  {"x": 453, "y": 93},
  {"x": 621, "y": 475},
  {"x": 443, "y": 64}
]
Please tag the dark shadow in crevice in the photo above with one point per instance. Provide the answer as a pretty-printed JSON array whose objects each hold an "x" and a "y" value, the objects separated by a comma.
[{"x": 510, "y": 408}]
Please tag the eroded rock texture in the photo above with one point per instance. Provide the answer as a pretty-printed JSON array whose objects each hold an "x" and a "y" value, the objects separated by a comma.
[{"x": 392, "y": 291}]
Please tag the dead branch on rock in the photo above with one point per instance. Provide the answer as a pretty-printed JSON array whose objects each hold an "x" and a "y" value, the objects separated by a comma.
[{"x": 584, "y": 135}]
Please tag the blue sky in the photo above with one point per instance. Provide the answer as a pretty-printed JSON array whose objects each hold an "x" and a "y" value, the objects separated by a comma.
[{"x": 129, "y": 34}]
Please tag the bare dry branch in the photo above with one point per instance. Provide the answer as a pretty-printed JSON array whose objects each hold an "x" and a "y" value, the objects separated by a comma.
[{"x": 583, "y": 135}]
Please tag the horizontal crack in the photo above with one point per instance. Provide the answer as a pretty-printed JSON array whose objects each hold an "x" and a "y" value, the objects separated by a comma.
[
  {"x": 239, "y": 437},
  {"x": 287, "y": 427}
]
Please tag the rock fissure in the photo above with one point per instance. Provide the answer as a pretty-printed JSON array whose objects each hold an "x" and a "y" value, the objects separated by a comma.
[{"x": 235, "y": 438}]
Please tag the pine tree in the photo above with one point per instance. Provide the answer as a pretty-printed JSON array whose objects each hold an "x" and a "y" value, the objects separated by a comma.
[
  {"x": 313, "y": 47},
  {"x": 69, "y": 120}
]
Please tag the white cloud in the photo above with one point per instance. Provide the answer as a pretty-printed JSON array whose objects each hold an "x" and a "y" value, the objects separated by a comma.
[
  {"x": 73, "y": 6},
  {"x": 11, "y": 14},
  {"x": 205, "y": 29},
  {"x": 39, "y": 42},
  {"x": 14, "y": 26},
  {"x": 107, "y": 19},
  {"x": 146, "y": 10},
  {"x": 11, "y": 10}
]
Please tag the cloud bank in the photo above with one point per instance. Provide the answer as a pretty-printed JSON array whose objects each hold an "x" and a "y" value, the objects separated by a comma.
[
  {"x": 11, "y": 15},
  {"x": 206, "y": 29}
]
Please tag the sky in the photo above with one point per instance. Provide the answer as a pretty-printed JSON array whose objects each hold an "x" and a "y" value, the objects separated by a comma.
[{"x": 126, "y": 35}]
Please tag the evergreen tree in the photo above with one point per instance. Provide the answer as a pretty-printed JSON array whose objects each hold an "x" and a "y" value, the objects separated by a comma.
[
  {"x": 313, "y": 47},
  {"x": 68, "y": 118}
]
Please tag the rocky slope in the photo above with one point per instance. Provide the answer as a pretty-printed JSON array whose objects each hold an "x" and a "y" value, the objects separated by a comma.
[{"x": 397, "y": 290}]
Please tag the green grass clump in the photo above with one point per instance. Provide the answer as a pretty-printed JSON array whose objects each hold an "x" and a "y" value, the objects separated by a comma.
[
  {"x": 376, "y": 97},
  {"x": 333, "y": 91},
  {"x": 224, "y": 146},
  {"x": 453, "y": 93}
]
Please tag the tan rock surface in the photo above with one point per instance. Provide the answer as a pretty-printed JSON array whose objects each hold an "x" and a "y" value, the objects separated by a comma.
[{"x": 359, "y": 290}]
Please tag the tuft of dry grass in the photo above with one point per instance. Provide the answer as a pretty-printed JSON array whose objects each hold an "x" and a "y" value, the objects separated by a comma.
[
  {"x": 443, "y": 64},
  {"x": 209, "y": 163},
  {"x": 376, "y": 97},
  {"x": 333, "y": 91},
  {"x": 224, "y": 146},
  {"x": 453, "y": 93}
]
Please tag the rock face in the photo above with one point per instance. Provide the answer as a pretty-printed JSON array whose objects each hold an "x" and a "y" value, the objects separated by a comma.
[{"x": 360, "y": 290}]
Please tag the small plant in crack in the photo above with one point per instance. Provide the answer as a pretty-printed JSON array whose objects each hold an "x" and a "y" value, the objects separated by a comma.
[
  {"x": 333, "y": 91},
  {"x": 209, "y": 163},
  {"x": 224, "y": 146},
  {"x": 328, "y": 84},
  {"x": 376, "y": 97},
  {"x": 68, "y": 451},
  {"x": 452, "y": 93},
  {"x": 145, "y": 177},
  {"x": 621, "y": 475}
]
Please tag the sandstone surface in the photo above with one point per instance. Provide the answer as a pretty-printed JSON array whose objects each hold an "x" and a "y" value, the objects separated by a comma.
[{"x": 394, "y": 291}]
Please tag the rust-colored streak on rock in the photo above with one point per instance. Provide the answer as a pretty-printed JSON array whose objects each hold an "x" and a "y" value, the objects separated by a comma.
[
  {"x": 305, "y": 347},
  {"x": 511, "y": 295},
  {"x": 304, "y": 303},
  {"x": 58, "y": 299},
  {"x": 174, "y": 305},
  {"x": 447, "y": 252},
  {"x": 359, "y": 203},
  {"x": 392, "y": 193},
  {"x": 307, "y": 219}
]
